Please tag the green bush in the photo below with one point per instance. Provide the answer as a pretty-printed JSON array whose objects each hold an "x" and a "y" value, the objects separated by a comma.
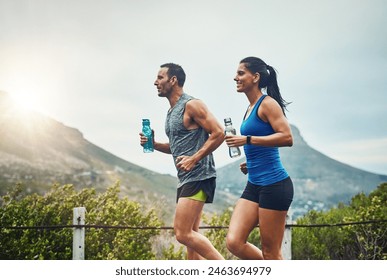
[
  {"x": 56, "y": 208},
  {"x": 359, "y": 241}
]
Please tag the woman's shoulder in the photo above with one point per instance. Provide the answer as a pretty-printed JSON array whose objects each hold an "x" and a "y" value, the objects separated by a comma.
[
  {"x": 269, "y": 102},
  {"x": 269, "y": 108}
]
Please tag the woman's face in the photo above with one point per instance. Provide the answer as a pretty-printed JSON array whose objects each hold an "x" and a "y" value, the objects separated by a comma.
[{"x": 245, "y": 80}]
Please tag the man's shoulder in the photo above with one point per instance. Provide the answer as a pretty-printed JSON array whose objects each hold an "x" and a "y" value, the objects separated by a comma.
[
  {"x": 195, "y": 104},
  {"x": 188, "y": 97}
]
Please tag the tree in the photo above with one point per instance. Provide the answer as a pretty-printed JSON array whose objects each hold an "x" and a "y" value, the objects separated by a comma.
[
  {"x": 370, "y": 238},
  {"x": 56, "y": 207},
  {"x": 366, "y": 239}
]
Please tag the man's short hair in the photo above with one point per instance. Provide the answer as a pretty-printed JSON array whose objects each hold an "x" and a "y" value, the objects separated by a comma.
[{"x": 177, "y": 71}]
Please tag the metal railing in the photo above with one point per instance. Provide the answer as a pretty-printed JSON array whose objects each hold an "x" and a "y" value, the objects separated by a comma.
[{"x": 79, "y": 227}]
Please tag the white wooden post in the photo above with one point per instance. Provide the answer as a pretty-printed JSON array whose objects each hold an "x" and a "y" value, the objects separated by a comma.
[
  {"x": 287, "y": 240},
  {"x": 79, "y": 233}
]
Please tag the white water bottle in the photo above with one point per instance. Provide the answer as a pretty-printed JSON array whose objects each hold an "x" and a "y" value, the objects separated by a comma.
[{"x": 230, "y": 130}]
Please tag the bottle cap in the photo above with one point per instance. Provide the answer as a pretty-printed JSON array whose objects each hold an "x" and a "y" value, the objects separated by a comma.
[{"x": 227, "y": 120}]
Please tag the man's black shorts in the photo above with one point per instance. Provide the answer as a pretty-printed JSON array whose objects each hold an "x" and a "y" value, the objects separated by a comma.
[{"x": 191, "y": 188}]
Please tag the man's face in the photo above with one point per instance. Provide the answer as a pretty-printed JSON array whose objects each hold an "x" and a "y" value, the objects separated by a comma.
[{"x": 163, "y": 82}]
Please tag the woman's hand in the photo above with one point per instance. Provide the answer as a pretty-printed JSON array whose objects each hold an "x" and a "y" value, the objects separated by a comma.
[
  {"x": 235, "y": 141},
  {"x": 243, "y": 168}
]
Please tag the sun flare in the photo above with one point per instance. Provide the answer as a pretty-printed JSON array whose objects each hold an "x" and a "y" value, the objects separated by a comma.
[
  {"x": 26, "y": 101},
  {"x": 22, "y": 111}
]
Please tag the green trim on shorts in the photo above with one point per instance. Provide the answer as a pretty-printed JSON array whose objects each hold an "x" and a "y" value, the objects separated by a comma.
[{"x": 199, "y": 196}]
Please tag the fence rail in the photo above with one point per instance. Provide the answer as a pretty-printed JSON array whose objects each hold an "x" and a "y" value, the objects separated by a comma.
[
  {"x": 53, "y": 227},
  {"x": 79, "y": 228}
]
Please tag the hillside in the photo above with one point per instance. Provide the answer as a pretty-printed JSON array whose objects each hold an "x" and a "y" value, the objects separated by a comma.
[
  {"x": 319, "y": 181},
  {"x": 40, "y": 151}
]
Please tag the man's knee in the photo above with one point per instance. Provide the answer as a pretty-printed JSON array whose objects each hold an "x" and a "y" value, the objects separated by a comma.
[{"x": 182, "y": 236}]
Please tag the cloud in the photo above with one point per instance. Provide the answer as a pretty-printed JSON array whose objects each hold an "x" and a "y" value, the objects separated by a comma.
[
  {"x": 94, "y": 63},
  {"x": 362, "y": 153}
]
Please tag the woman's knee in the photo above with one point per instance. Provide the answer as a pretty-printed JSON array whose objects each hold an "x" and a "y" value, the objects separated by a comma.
[
  {"x": 271, "y": 252},
  {"x": 233, "y": 243},
  {"x": 272, "y": 255}
]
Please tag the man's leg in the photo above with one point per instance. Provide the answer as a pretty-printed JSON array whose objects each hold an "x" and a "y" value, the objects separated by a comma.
[
  {"x": 187, "y": 218},
  {"x": 191, "y": 253}
]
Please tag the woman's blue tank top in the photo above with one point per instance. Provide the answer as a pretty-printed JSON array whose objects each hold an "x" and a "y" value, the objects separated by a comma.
[{"x": 263, "y": 163}]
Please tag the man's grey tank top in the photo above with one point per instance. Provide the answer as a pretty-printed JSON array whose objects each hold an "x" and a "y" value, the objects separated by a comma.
[{"x": 187, "y": 142}]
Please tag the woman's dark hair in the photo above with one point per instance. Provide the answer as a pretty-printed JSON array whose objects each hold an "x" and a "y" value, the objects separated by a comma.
[
  {"x": 175, "y": 70},
  {"x": 268, "y": 78}
]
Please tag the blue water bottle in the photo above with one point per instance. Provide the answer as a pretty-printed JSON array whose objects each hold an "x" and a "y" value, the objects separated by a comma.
[{"x": 147, "y": 131}]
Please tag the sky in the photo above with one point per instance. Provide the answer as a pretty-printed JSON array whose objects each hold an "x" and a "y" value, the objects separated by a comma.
[{"x": 91, "y": 65}]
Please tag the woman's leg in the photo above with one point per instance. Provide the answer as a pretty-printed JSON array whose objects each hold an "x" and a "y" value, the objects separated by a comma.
[
  {"x": 244, "y": 218},
  {"x": 272, "y": 228}
]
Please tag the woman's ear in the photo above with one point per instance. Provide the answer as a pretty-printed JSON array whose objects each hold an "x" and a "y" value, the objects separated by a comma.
[{"x": 256, "y": 77}]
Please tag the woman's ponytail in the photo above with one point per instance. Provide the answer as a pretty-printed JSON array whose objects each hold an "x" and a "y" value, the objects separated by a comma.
[{"x": 273, "y": 90}]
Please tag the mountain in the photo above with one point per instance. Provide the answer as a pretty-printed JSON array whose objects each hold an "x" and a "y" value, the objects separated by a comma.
[
  {"x": 319, "y": 181},
  {"x": 39, "y": 151}
]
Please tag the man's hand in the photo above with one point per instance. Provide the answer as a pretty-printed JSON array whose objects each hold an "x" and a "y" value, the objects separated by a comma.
[
  {"x": 144, "y": 139},
  {"x": 185, "y": 163}
]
